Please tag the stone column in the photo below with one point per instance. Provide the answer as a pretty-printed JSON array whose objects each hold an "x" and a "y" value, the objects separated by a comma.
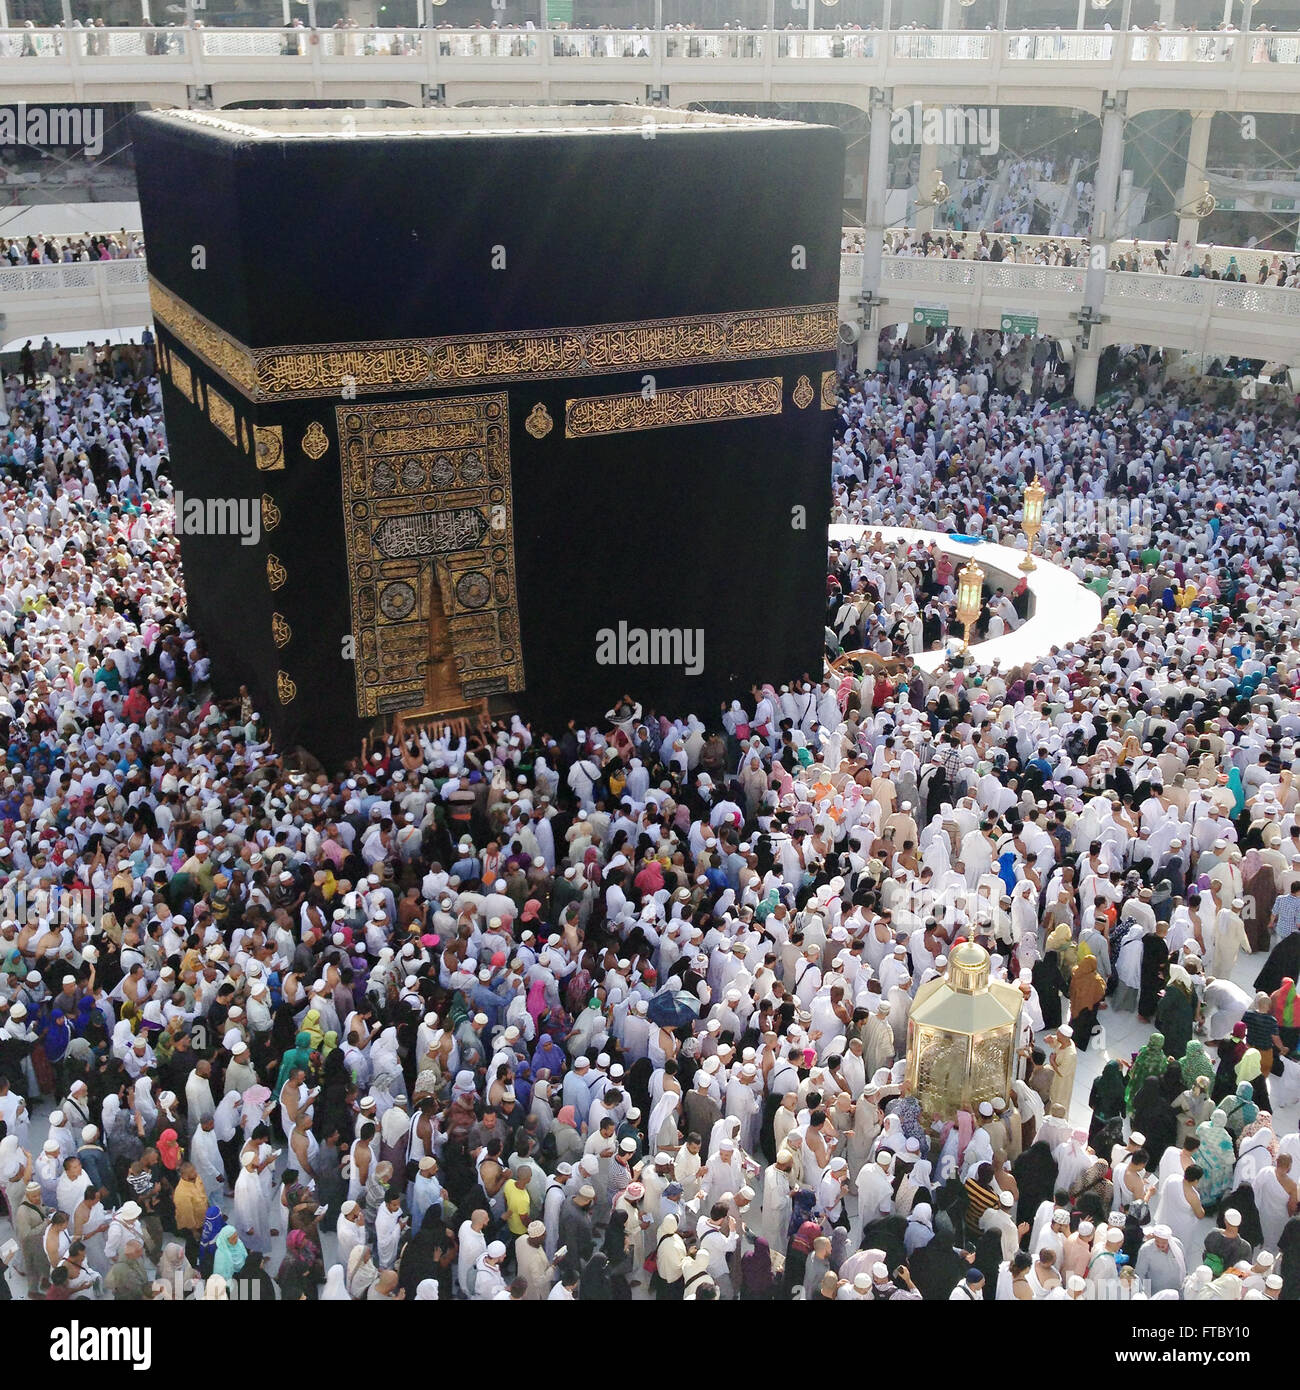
[
  {"x": 926, "y": 178},
  {"x": 1110, "y": 164},
  {"x": 1198, "y": 146},
  {"x": 873, "y": 222}
]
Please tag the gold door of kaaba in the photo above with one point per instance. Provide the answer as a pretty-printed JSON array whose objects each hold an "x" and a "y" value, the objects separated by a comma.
[{"x": 430, "y": 547}]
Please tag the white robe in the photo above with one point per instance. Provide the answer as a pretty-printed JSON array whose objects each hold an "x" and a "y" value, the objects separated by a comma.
[
  {"x": 252, "y": 1212},
  {"x": 776, "y": 1208},
  {"x": 1174, "y": 1211},
  {"x": 1271, "y": 1202},
  {"x": 207, "y": 1159}
]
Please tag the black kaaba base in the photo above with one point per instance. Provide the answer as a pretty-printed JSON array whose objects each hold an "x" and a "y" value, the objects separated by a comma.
[{"x": 524, "y": 406}]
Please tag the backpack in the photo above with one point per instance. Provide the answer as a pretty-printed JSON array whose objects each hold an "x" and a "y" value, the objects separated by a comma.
[{"x": 805, "y": 1235}]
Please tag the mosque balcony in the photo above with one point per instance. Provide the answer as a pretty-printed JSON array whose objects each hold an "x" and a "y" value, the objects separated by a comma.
[{"x": 1225, "y": 71}]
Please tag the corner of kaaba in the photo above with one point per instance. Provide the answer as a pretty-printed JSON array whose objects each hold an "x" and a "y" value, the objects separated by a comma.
[{"x": 457, "y": 362}]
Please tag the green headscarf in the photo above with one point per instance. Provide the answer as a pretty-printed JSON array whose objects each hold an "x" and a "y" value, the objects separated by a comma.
[
  {"x": 1150, "y": 1061},
  {"x": 1196, "y": 1062},
  {"x": 299, "y": 1055}
]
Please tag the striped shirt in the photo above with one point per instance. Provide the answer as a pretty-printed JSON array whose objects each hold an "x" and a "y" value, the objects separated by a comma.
[
  {"x": 1288, "y": 915},
  {"x": 979, "y": 1199}
]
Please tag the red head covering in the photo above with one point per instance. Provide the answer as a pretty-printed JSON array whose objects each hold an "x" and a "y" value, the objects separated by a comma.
[{"x": 169, "y": 1149}]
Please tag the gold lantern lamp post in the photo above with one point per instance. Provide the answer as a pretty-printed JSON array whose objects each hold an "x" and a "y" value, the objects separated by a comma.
[
  {"x": 961, "y": 1037},
  {"x": 1032, "y": 522},
  {"x": 970, "y": 595}
]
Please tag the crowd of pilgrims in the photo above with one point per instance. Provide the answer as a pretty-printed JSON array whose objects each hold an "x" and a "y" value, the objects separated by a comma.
[{"x": 622, "y": 1012}]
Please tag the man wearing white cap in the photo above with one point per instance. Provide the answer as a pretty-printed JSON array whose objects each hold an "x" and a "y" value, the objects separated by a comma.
[
  {"x": 532, "y": 1262},
  {"x": 1063, "y": 1061},
  {"x": 1160, "y": 1262}
]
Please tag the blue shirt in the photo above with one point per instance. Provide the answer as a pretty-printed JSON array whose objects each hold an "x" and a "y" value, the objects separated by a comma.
[{"x": 1288, "y": 915}]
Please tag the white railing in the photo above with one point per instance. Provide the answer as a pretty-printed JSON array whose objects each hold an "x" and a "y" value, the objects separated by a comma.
[
  {"x": 1060, "y": 48},
  {"x": 960, "y": 47},
  {"x": 1161, "y": 289},
  {"x": 936, "y": 273},
  {"x": 1128, "y": 59},
  {"x": 72, "y": 275},
  {"x": 1030, "y": 279},
  {"x": 1255, "y": 299}
]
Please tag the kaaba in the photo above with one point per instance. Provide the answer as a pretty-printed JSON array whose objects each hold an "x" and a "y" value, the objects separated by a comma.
[{"x": 533, "y": 405}]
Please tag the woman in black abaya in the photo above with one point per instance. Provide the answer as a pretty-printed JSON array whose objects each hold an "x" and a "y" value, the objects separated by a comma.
[
  {"x": 1155, "y": 971},
  {"x": 1035, "y": 1174},
  {"x": 1153, "y": 1116}
]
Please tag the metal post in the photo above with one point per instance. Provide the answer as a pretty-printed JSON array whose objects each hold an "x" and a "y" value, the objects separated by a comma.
[
  {"x": 873, "y": 223},
  {"x": 812, "y": 15},
  {"x": 945, "y": 16},
  {"x": 1081, "y": 15}
]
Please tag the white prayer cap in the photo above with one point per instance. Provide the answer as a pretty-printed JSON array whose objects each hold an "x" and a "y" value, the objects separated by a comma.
[
  {"x": 985, "y": 1108},
  {"x": 496, "y": 1250},
  {"x": 1114, "y": 1236},
  {"x": 1060, "y": 1214},
  {"x": 1086, "y": 1228},
  {"x": 1273, "y": 1281},
  {"x": 879, "y": 1271},
  {"x": 1007, "y": 1199},
  {"x": 1232, "y": 1217},
  {"x": 1076, "y": 1283},
  {"x": 1065, "y": 1031},
  {"x": 1138, "y": 1140}
]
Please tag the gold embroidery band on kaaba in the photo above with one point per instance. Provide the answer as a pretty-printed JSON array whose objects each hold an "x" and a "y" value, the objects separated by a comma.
[
  {"x": 222, "y": 415},
  {"x": 411, "y": 364},
  {"x": 430, "y": 546},
  {"x": 672, "y": 405}
]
